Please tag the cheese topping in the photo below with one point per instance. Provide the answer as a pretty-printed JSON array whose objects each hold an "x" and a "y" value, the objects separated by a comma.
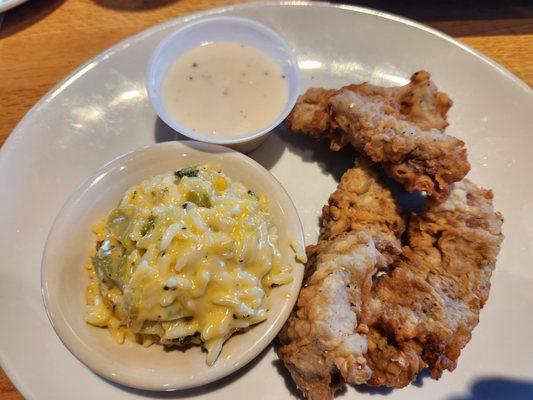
[{"x": 187, "y": 257}]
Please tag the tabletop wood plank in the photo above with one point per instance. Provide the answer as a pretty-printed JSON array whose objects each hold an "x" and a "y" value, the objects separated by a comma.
[
  {"x": 7, "y": 390},
  {"x": 43, "y": 40}
]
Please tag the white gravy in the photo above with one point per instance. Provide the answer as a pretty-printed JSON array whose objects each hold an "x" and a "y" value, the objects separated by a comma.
[{"x": 225, "y": 89}]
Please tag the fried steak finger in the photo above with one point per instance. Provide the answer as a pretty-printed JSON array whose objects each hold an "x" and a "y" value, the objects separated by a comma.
[
  {"x": 399, "y": 127},
  {"x": 419, "y": 307},
  {"x": 323, "y": 343},
  {"x": 424, "y": 311}
]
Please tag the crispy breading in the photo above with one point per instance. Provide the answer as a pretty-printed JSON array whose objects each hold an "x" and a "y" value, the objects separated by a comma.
[
  {"x": 362, "y": 202},
  {"x": 423, "y": 312},
  {"x": 421, "y": 306},
  {"x": 323, "y": 344},
  {"x": 399, "y": 127}
]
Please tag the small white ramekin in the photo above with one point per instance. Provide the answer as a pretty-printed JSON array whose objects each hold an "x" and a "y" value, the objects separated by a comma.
[{"x": 222, "y": 29}]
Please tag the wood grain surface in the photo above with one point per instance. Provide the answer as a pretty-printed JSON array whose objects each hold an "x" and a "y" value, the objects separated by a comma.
[{"x": 43, "y": 40}]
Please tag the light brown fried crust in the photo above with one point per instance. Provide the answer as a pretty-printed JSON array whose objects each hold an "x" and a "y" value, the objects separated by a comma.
[
  {"x": 423, "y": 312},
  {"x": 322, "y": 343},
  {"x": 362, "y": 202},
  {"x": 399, "y": 127},
  {"x": 421, "y": 306}
]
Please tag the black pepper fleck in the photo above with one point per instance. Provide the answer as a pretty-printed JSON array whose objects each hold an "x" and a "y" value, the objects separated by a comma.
[
  {"x": 283, "y": 76},
  {"x": 194, "y": 64},
  {"x": 190, "y": 78},
  {"x": 166, "y": 287}
]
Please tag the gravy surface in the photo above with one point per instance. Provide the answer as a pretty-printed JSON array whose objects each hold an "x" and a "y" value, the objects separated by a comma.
[{"x": 225, "y": 89}]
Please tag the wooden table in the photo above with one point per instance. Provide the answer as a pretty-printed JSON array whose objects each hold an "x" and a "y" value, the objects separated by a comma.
[{"x": 43, "y": 40}]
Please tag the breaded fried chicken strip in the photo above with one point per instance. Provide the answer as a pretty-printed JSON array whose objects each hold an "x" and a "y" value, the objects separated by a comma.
[
  {"x": 361, "y": 203},
  {"x": 368, "y": 314},
  {"x": 399, "y": 127},
  {"x": 323, "y": 343},
  {"x": 423, "y": 312}
]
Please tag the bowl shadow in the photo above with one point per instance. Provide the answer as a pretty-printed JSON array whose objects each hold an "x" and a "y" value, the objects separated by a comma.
[
  {"x": 497, "y": 388},
  {"x": 164, "y": 133},
  {"x": 134, "y": 5}
]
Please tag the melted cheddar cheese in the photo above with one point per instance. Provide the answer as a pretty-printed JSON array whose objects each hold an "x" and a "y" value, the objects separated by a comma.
[{"x": 187, "y": 257}]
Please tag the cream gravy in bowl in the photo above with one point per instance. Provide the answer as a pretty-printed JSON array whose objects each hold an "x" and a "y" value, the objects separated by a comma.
[
  {"x": 225, "y": 89},
  {"x": 224, "y": 80}
]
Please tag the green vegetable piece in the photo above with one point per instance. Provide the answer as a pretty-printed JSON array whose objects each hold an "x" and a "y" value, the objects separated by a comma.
[
  {"x": 190, "y": 172},
  {"x": 148, "y": 226},
  {"x": 200, "y": 198},
  {"x": 109, "y": 262},
  {"x": 117, "y": 223}
]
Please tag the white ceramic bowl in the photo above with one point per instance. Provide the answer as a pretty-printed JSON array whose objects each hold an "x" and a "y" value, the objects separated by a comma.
[
  {"x": 222, "y": 29},
  {"x": 64, "y": 278}
]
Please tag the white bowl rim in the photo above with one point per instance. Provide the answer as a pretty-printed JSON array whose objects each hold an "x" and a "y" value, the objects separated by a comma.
[
  {"x": 70, "y": 339},
  {"x": 226, "y": 140}
]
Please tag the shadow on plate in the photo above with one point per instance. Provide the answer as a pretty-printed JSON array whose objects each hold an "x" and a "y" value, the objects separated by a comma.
[
  {"x": 164, "y": 133},
  {"x": 199, "y": 391},
  {"x": 333, "y": 163},
  {"x": 26, "y": 15},
  {"x": 270, "y": 151},
  {"x": 280, "y": 367},
  {"x": 267, "y": 154},
  {"x": 461, "y": 17},
  {"x": 498, "y": 388},
  {"x": 134, "y": 5}
]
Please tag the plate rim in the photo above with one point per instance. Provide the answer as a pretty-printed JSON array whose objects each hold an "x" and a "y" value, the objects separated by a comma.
[{"x": 124, "y": 43}]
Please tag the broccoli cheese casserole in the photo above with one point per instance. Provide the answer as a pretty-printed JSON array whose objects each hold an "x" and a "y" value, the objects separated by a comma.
[{"x": 186, "y": 258}]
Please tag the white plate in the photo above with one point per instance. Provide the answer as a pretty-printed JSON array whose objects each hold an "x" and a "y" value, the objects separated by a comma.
[
  {"x": 102, "y": 110},
  {"x": 9, "y": 4}
]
